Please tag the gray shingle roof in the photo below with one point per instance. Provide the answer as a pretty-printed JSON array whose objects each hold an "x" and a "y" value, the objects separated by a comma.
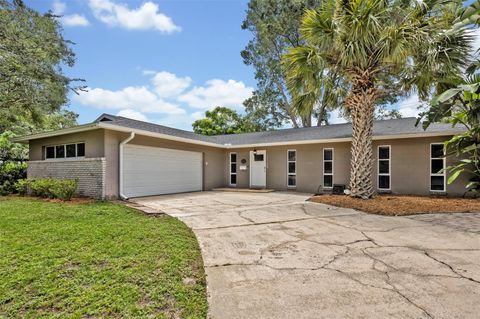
[{"x": 380, "y": 128}]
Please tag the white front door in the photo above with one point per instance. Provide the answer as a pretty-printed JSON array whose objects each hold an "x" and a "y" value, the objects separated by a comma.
[{"x": 258, "y": 169}]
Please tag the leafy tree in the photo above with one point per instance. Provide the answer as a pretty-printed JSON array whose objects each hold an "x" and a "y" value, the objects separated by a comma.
[
  {"x": 371, "y": 43},
  {"x": 222, "y": 120},
  {"x": 461, "y": 106},
  {"x": 275, "y": 26},
  {"x": 32, "y": 51}
]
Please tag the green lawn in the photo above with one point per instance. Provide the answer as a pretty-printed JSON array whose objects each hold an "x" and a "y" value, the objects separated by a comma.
[{"x": 96, "y": 260}]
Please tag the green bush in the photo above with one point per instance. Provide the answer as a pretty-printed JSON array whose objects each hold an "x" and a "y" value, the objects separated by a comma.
[
  {"x": 63, "y": 189},
  {"x": 21, "y": 186},
  {"x": 10, "y": 173}
]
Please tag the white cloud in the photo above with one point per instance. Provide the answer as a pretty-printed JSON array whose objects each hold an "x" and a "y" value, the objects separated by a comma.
[
  {"x": 335, "y": 118},
  {"x": 70, "y": 20},
  {"x": 216, "y": 92},
  {"x": 168, "y": 84},
  {"x": 135, "y": 98},
  {"x": 74, "y": 20},
  {"x": 146, "y": 17},
  {"x": 58, "y": 7},
  {"x": 131, "y": 114},
  {"x": 409, "y": 107}
]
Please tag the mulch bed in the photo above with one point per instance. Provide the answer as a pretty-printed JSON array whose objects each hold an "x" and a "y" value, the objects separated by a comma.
[{"x": 396, "y": 205}]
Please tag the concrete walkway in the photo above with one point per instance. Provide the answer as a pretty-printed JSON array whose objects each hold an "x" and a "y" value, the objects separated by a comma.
[{"x": 276, "y": 256}]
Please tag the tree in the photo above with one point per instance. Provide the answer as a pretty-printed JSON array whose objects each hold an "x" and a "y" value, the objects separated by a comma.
[
  {"x": 365, "y": 42},
  {"x": 222, "y": 120},
  {"x": 275, "y": 26},
  {"x": 461, "y": 106},
  {"x": 32, "y": 51}
]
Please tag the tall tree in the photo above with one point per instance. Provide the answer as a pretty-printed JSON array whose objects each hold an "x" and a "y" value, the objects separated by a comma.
[
  {"x": 223, "y": 120},
  {"x": 32, "y": 51},
  {"x": 275, "y": 27},
  {"x": 416, "y": 43}
]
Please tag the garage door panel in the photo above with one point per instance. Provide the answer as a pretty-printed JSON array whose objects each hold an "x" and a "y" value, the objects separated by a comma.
[{"x": 154, "y": 171}]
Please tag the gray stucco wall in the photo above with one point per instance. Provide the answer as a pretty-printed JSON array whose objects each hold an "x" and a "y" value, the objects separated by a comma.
[
  {"x": 90, "y": 173},
  {"x": 410, "y": 166}
]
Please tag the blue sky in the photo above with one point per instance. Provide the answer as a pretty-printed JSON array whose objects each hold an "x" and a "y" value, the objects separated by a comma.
[{"x": 161, "y": 61}]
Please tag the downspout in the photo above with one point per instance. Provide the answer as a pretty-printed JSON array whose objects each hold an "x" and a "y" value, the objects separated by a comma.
[{"x": 120, "y": 164}]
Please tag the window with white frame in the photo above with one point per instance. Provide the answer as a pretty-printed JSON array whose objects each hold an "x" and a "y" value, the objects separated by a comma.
[
  {"x": 291, "y": 168},
  {"x": 384, "y": 167},
  {"x": 328, "y": 167},
  {"x": 233, "y": 169},
  {"x": 437, "y": 167},
  {"x": 65, "y": 151}
]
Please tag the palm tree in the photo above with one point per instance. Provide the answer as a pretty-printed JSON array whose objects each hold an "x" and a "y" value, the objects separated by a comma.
[{"x": 364, "y": 42}]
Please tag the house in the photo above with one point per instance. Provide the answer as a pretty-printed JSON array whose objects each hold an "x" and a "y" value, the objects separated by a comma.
[{"x": 119, "y": 157}]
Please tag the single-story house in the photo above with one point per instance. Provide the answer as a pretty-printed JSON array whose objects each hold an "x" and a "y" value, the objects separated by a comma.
[{"x": 116, "y": 157}]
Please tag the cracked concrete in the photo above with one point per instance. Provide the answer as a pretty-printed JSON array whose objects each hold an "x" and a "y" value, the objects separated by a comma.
[{"x": 273, "y": 255}]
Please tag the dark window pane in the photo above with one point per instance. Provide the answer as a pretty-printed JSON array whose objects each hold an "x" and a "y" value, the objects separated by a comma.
[
  {"x": 437, "y": 166},
  {"x": 327, "y": 155},
  {"x": 233, "y": 179},
  {"x": 292, "y": 168},
  {"x": 233, "y": 168},
  {"x": 327, "y": 167},
  {"x": 383, "y": 167},
  {"x": 292, "y": 180},
  {"x": 60, "y": 151},
  {"x": 437, "y": 150},
  {"x": 327, "y": 180},
  {"x": 436, "y": 183},
  {"x": 50, "y": 152},
  {"x": 383, "y": 182},
  {"x": 233, "y": 158},
  {"x": 292, "y": 156},
  {"x": 258, "y": 157},
  {"x": 71, "y": 150},
  {"x": 383, "y": 153},
  {"x": 81, "y": 149}
]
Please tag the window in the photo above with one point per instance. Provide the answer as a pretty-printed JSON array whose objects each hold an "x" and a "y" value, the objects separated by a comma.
[
  {"x": 437, "y": 166},
  {"x": 50, "y": 152},
  {"x": 328, "y": 167},
  {"x": 233, "y": 169},
  {"x": 65, "y": 151},
  {"x": 258, "y": 157},
  {"x": 384, "y": 167},
  {"x": 291, "y": 168}
]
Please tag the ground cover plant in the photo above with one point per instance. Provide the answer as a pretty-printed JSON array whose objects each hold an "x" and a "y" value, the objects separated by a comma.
[{"x": 96, "y": 260}]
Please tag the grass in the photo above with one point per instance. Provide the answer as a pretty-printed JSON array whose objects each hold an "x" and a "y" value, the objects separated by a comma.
[
  {"x": 96, "y": 260},
  {"x": 397, "y": 205}
]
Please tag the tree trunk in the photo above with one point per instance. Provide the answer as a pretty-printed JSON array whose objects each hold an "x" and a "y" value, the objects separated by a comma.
[{"x": 361, "y": 102}]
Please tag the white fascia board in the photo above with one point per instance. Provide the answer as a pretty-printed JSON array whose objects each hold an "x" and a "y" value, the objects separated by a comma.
[
  {"x": 157, "y": 135},
  {"x": 70, "y": 130}
]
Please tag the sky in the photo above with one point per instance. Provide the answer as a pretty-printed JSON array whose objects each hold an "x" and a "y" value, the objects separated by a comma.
[{"x": 165, "y": 62}]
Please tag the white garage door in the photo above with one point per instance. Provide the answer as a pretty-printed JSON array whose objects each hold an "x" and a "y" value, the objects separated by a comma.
[{"x": 154, "y": 171}]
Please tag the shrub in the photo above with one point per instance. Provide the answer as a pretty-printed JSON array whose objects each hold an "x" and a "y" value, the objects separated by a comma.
[
  {"x": 10, "y": 173},
  {"x": 21, "y": 186},
  {"x": 63, "y": 189}
]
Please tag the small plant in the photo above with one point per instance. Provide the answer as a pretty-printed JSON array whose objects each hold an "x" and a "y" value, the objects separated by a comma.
[
  {"x": 21, "y": 186},
  {"x": 63, "y": 189}
]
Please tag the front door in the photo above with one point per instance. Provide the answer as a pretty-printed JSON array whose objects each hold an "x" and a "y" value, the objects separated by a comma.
[{"x": 258, "y": 169}]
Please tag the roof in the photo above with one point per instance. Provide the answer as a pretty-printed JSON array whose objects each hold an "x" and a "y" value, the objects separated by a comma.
[{"x": 382, "y": 129}]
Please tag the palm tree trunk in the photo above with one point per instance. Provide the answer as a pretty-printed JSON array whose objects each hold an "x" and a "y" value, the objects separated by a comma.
[{"x": 361, "y": 102}]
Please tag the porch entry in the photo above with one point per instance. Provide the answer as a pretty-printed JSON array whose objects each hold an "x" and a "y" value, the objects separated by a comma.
[{"x": 258, "y": 169}]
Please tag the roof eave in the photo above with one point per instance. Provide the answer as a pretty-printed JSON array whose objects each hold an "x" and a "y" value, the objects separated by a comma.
[{"x": 70, "y": 130}]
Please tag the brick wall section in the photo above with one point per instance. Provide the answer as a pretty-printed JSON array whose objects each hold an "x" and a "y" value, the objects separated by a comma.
[{"x": 90, "y": 173}]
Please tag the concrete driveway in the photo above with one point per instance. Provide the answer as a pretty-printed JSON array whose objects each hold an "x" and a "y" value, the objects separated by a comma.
[{"x": 273, "y": 255}]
